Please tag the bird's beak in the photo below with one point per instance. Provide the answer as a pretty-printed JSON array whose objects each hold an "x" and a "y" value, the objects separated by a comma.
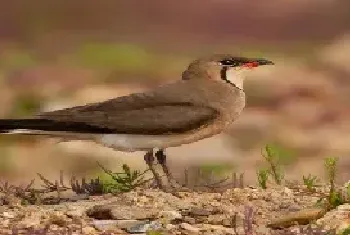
[
  {"x": 263, "y": 62},
  {"x": 257, "y": 62}
]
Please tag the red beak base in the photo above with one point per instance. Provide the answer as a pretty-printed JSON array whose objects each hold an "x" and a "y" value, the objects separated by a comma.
[{"x": 251, "y": 64}]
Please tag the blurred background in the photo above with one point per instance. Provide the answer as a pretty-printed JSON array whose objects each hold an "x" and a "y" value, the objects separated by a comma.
[{"x": 56, "y": 54}]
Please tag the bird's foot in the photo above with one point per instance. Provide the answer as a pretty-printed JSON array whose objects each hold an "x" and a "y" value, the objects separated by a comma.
[
  {"x": 161, "y": 159},
  {"x": 149, "y": 159}
]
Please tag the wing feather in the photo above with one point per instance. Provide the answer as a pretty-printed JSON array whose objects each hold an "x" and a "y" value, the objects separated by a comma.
[{"x": 140, "y": 113}]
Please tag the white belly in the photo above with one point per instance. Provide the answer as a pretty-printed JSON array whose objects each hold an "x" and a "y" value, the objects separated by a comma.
[{"x": 130, "y": 143}]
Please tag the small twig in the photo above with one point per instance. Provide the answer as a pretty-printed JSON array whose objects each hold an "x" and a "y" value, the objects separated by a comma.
[
  {"x": 211, "y": 177},
  {"x": 58, "y": 190},
  {"x": 51, "y": 186},
  {"x": 248, "y": 220},
  {"x": 234, "y": 222},
  {"x": 46, "y": 181},
  {"x": 234, "y": 180},
  {"x": 104, "y": 169},
  {"x": 197, "y": 177},
  {"x": 241, "y": 180},
  {"x": 186, "y": 178},
  {"x": 29, "y": 185},
  {"x": 61, "y": 179}
]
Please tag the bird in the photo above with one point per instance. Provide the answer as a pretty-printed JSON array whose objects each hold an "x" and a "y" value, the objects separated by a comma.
[{"x": 207, "y": 99}]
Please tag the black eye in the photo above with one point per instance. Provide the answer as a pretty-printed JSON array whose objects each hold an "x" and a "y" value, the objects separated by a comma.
[{"x": 228, "y": 63}]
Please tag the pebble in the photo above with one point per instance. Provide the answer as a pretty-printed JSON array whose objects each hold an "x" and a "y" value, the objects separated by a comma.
[
  {"x": 189, "y": 227},
  {"x": 120, "y": 212},
  {"x": 88, "y": 230},
  {"x": 77, "y": 213},
  {"x": 170, "y": 215},
  {"x": 199, "y": 212},
  {"x": 170, "y": 226},
  {"x": 143, "y": 226},
  {"x": 8, "y": 215},
  {"x": 104, "y": 225}
]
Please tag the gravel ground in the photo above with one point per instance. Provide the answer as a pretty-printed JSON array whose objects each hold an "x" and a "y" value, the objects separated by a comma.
[{"x": 234, "y": 211}]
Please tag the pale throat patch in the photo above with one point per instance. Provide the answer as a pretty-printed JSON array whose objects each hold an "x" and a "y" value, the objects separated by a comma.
[{"x": 236, "y": 76}]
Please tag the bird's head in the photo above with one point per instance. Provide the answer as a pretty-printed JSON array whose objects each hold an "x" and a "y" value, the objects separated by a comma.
[{"x": 225, "y": 68}]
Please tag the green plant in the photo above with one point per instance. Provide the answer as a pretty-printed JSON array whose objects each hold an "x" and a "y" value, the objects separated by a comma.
[
  {"x": 335, "y": 198},
  {"x": 346, "y": 231},
  {"x": 310, "y": 181},
  {"x": 124, "y": 181},
  {"x": 263, "y": 175},
  {"x": 348, "y": 191},
  {"x": 274, "y": 156}
]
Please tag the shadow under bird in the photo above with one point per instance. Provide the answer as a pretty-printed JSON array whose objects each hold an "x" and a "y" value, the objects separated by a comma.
[{"x": 207, "y": 99}]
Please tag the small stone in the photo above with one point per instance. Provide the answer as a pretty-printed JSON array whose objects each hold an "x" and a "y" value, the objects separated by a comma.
[
  {"x": 75, "y": 213},
  {"x": 78, "y": 197},
  {"x": 143, "y": 226},
  {"x": 253, "y": 196},
  {"x": 54, "y": 227},
  {"x": 275, "y": 195},
  {"x": 301, "y": 217},
  {"x": 215, "y": 219},
  {"x": 5, "y": 223},
  {"x": 215, "y": 204},
  {"x": 230, "y": 231},
  {"x": 88, "y": 230},
  {"x": 12, "y": 202},
  {"x": 170, "y": 215},
  {"x": 199, "y": 212},
  {"x": 201, "y": 219},
  {"x": 107, "y": 195},
  {"x": 101, "y": 212},
  {"x": 288, "y": 192},
  {"x": 29, "y": 222},
  {"x": 119, "y": 212},
  {"x": 184, "y": 206},
  {"x": 227, "y": 222},
  {"x": 58, "y": 219},
  {"x": 113, "y": 225},
  {"x": 344, "y": 207},
  {"x": 170, "y": 226},
  {"x": 189, "y": 220},
  {"x": 103, "y": 225},
  {"x": 189, "y": 227},
  {"x": 8, "y": 215}
]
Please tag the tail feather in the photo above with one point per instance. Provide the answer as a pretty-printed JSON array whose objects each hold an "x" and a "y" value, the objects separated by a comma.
[{"x": 35, "y": 125}]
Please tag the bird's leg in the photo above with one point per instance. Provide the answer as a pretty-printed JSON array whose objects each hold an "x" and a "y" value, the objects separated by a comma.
[
  {"x": 161, "y": 158},
  {"x": 149, "y": 159}
]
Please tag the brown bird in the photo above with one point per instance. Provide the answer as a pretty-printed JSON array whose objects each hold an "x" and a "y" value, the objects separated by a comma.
[{"x": 207, "y": 99}]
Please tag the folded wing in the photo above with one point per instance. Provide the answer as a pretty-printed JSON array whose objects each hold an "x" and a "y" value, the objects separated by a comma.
[{"x": 135, "y": 114}]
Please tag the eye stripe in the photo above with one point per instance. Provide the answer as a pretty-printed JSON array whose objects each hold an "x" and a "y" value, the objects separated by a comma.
[{"x": 229, "y": 63}]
